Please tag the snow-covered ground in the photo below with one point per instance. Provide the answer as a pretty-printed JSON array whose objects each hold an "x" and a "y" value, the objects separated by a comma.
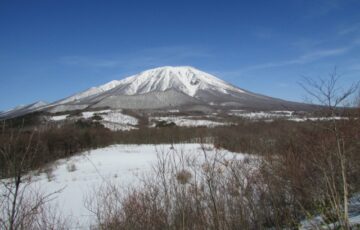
[
  {"x": 354, "y": 217},
  {"x": 261, "y": 114},
  {"x": 300, "y": 119},
  {"x": 113, "y": 126},
  {"x": 118, "y": 117},
  {"x": 78, "y": 176},
  {"x": 111, "y": 119},
  {"x": 115, "y": 120},
  {"x": 272, "y": 115},
  {"x": 59, "y": 117},
  {"x": 90, "y": 114},
  {"x": 183, "y": 121}
]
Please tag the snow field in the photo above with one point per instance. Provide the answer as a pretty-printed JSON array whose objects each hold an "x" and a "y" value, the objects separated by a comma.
[
  {"x": 125, "y": 165},
  {"x": 112, "y": 119},
  {"x": 187, "y": 121}
]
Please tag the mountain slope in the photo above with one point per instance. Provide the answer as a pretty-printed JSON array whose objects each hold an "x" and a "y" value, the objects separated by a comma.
[
  {"x": 170, "y": 87},
  {"x": 150, "y": 89},
  {"x": 187, "y": 80},
  {"x": 23, "y": 109}
]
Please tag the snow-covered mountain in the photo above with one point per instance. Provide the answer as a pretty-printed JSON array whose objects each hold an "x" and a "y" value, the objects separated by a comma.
[
  {"x": 90, "y": 92},
  {"x": 23, "y": 109},
  {"x": 181, "y": 87},
  {"x": 187, "y": 80}
]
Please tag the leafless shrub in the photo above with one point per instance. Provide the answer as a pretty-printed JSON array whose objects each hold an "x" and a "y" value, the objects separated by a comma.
[
  {"x": 21, "y": 204},
  {"x": 186, "y": 192},
  {"x": 183, "y": 176},
  {"x": 104, "y": 203},
  {"x": 49, "y": 172},
  {"x": 71, "y": 167}
]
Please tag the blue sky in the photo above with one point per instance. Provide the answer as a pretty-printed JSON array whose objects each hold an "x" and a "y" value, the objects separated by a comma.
[{"x": 52, "y": 49}]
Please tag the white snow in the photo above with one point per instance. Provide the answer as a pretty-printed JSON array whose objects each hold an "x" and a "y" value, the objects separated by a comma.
[
  {"x": 287, "y": 115},
  {"x": 18, "y": 107},
  {"x": 90, "y": 114},
  {"x": 261, "y": 114},
  {"x": 183, "y": 121},
  {"x": 183, "y": 78},
  {"x": 37, "y": 104},
  {"x": 117, "y": 126},
  {"x": 24, "y": 108},
  {"x": 115, "y": 120},
  {"x": 301, "y": 119},
  {"x": 59, "y": 117},
  {"x": 111, "y": 119},
  {"x": 117, "y": 117},
  {"x": 354, "y": 217},
  {"x": 90, "y": 92},
  {"x": 121, "y": 164}
]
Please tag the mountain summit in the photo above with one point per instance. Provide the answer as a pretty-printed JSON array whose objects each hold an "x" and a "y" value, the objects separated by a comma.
[
  {"x": 185, "y": 79},
  {"x": 169, "y": 87}
]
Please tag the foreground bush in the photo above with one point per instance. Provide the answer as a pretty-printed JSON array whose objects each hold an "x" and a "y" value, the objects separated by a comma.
[{"x": 186, "y": 192}]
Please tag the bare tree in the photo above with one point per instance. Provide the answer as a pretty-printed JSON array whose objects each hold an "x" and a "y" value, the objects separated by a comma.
[
  {"x": 357, "y": 99},
  {"x": 329, "y": 94},
  {"x": 20, "y": 204}
]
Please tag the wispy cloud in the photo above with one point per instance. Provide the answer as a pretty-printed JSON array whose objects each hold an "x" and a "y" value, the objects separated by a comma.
[
  {"x": 89, "y": 61},
  {"x": 349, "y": 29},
  {"x": 300, "y": 60},
  {"x": 143, "y": 58},
  {"x": 307, "y": 43},
  {"x": 264, "y": 33},
  {"x": 354, "y": 67},
  {"x": 318, "y": 8},
  {"x": 303, "y": 59}
]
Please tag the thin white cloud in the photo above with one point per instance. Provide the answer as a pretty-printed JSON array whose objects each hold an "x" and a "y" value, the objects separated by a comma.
[
  {"x": 303, "y": 59},
  {"x": 354, "y": 67},
  {"x": 264, "y": 33},
  {"x": 320, "y": 54},
  {"x": 350, "y": 29},
  {"x": 310, "y": 56},
  {"x": 89, "y": 61},
  {"x": 144, "y": 58},
  {"x": 318, "y": 8}
]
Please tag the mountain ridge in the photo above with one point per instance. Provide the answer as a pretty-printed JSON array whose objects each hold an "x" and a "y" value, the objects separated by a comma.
[
  {"x": 160, "y": 78},
  {"x": 167, "y": 87}
]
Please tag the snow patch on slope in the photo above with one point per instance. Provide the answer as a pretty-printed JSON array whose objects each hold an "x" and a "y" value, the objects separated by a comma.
[
  {"x": 187, "y": 121},
  {"x": 22, "y": 109},
  {"x": 59, "y": 117},
  {"x": 118, "y": 117},
  {"x": 90, "y": 92},
  {"x": 115, "y": 120},
  {"x": 184, "y": 78},
  {"x": 111, "y": 119},
  {"x": 90, "y": 114},
  {"x": 262, "y": 114}
]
